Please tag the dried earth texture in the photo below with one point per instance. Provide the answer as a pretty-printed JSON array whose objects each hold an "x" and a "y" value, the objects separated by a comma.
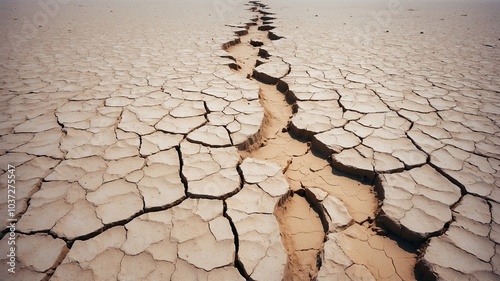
[
  {"x": 317, "y": 206},
  {"x": 261, "y": 140}
]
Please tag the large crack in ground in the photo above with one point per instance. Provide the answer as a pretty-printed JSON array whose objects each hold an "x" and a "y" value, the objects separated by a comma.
[
  {"x": 75, "y": 140},
  {"x": 301, "y": 227},
  {"x": 303, "y": 221}
]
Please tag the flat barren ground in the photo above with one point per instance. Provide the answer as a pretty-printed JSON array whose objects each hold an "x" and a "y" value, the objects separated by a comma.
[{"x": 262, "y": 140}]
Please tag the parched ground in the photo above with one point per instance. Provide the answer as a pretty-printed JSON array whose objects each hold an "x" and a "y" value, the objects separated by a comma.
[{"x": 261, "y": 140}]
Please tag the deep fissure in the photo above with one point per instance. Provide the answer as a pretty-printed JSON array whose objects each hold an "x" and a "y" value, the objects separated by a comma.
[
  {"x": 278, "y": 87},
  {"x": 247, "y": 59}
]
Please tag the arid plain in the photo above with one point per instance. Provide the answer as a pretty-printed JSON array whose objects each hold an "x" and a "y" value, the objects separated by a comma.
[{"x": 261, "y": 140}]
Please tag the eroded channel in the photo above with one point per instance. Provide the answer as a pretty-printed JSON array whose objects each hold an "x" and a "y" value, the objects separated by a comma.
[{"x": 304, "y": 221}]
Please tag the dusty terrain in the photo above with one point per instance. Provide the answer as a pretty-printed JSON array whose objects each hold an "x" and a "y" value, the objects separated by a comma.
[{"x": 261, "y": 140}]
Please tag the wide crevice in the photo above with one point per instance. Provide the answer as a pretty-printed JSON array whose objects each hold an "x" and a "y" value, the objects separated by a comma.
[
  {"x": 303, "y": 233},
  {"x": 265, "y": 81},
  {"x": 266, "y": 85}
]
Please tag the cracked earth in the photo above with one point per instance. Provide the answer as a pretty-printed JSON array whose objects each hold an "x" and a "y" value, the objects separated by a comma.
[{"x": 252, "y": 143}]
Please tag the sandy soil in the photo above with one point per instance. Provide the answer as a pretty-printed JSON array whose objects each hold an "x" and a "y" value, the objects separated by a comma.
[
  {"x": 261, "y": 140},
  {"x": 301, "y": 225}
]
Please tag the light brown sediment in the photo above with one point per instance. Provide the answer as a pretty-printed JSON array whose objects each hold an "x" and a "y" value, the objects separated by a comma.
[
  {"x": 303, "y": 224},
  {"x": 304, "y": 237},
  {"x": 301, "y": 228},
  {"x": 136, "y": 130}
]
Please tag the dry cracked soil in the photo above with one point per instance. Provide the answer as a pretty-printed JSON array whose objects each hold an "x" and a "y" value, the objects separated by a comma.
[{"x": 250, "y": 140}]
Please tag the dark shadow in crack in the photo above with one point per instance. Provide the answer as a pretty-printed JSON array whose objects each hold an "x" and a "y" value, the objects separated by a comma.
[
  {"x": 273, "y": 36},
  {"x": 237, "y": 263},
  {"x": 234, "y": 66},
  {"x": 256, "y": 43},
  {"x": 266, "y": 27},
  {"x": 264, "y": 18},
  {"x": 263, "y": 54}
]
